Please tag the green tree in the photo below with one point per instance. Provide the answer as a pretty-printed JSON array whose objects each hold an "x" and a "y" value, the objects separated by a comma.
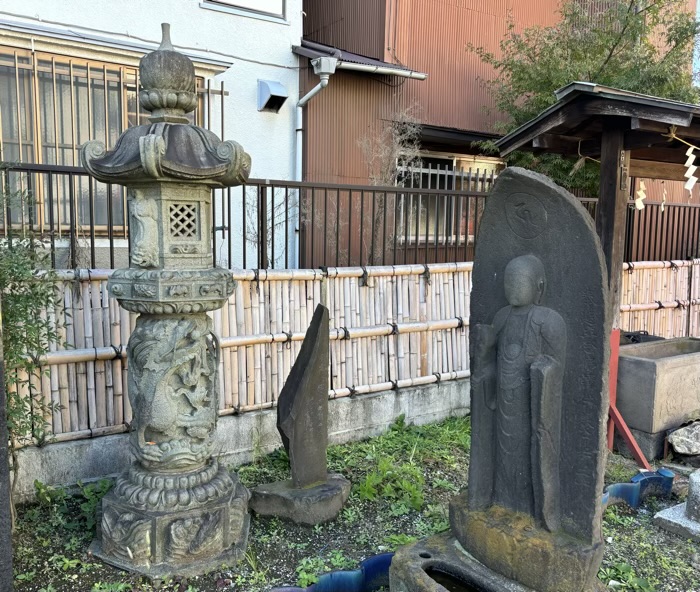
[
  {"x": 28, "y": 294},
  {"x": 645, "y": 46}
]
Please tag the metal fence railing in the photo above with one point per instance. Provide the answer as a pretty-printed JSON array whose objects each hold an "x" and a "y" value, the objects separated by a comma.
[
  {"x": 284, "y": 224},
  {"x": 263, "y": 224}
]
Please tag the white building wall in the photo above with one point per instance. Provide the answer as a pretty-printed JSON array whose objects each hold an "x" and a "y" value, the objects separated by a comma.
[{"x": 232, "y": 46}]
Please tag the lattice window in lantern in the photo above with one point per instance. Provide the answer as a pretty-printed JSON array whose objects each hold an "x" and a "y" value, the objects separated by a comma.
[{"x": 183, "y": 220}]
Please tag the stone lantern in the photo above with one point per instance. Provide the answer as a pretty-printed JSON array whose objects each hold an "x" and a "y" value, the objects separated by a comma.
[{"x": 176, "y": 510}]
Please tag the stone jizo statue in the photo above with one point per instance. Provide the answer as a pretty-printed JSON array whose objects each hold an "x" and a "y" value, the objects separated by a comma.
[
  {"x": 518, "y": 373},
  {"x": 530, "y": 517}
]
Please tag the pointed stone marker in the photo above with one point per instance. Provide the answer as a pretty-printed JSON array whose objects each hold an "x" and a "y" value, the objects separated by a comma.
[
  {"x": 302, "y": 409},
  {"x": 312, "y": 495}
]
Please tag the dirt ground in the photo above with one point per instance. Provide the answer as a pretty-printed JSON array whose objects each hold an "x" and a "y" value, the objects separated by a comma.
[{"x": 402, "y": 483}]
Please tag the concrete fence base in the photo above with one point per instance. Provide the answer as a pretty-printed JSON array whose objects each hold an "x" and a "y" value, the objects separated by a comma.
[{"x": 239, "y": 438}]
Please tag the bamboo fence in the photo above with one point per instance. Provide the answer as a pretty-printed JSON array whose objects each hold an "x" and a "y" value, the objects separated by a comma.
[{"x": 390, "y": 327}]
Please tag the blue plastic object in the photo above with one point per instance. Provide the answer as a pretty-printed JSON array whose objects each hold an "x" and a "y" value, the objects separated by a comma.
[
  {"x": 645, "y": 483},
  {"x": 372, "y": 574}
]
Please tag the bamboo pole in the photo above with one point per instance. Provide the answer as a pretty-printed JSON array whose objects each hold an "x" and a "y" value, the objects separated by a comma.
[
  {"x": 242, "y": 351},
  {"x": 106, "y": 336},
  {"x": 64, "y": 396},
  {"x": 71, "y": 386},
  {"x": 268, "y": 393},
  {"x": 217, "y": 317},
  {"x": 275, "y": 354},
  {"x": 101, "y": 402},
  {"x": 82, "y": 309},
  {"x": 125, "y": 330},
  {"x": 53, "y": 372},
  {"x": 423, "y": 316},
  {"x": 116, "y": 365},
  {"x": 89, "y": 344},
  {"x": 250, "y": 352},
  {"x": 233, "y": 354}
]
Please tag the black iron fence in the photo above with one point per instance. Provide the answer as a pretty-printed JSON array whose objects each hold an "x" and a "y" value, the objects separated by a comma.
[
  {"x": 369, "y": 225},
  {"x": 263, "y": 224},
  {"x": 284, "y": 224}
]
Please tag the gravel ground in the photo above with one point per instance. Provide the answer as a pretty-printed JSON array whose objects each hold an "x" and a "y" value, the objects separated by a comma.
[{"x": 402, "y": 483}]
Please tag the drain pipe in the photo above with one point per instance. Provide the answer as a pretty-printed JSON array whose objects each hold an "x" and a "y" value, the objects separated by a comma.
[{"x": 323, "y": 67}]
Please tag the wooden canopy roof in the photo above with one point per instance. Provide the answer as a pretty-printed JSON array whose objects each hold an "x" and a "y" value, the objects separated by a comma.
[
  {"x": 631, "y": 135},
  {"x": 575, "y": 125}
]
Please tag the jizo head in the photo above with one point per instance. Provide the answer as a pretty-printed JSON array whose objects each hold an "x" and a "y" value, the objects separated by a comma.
[{"x": 524, "y": 281}]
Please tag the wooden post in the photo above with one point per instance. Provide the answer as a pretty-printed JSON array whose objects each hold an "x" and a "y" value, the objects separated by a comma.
[
  {"x": 611, "y": 217},
  {"x": 612, "y": 208},
  {"x": 614, "y": 360},
  {"x": 6, "y": 575}
]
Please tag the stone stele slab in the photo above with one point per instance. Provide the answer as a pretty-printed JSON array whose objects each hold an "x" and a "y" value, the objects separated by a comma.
[
  {"x": 302, "y": 408},
  {"x": 539, "y": 349},
  {"x": 532, "y": 511}
]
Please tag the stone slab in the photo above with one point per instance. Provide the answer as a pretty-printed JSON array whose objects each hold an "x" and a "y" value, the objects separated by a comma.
[
  {"x": 311, "y": 505},
  {"x": 441, "y": 564},
  {"x": 658, "y": 383},
  {"x": 676, "y": 520},
  {"x": 539, "y": 323},
  {"x": 349, "y": 419}
]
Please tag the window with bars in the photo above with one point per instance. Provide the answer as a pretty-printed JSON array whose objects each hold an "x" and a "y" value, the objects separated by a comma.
[
  {"x": 434, "y": 217},
  {"x": 49, "y": 106}
]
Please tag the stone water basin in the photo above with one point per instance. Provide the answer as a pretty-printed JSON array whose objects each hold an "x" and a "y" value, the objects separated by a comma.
[{"x": 658, "y": 383}]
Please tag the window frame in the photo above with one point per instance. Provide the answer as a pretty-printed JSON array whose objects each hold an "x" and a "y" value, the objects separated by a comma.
[{"x": 234, "y": 7}]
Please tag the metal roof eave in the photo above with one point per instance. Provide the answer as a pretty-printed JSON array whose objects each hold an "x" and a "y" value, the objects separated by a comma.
[{"x": 356, "y": 62}]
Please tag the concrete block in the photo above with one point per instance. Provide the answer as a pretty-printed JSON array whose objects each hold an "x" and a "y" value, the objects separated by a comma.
[
  {"x": 651, "y": 445},
  {"x": 658, "y": 384}
]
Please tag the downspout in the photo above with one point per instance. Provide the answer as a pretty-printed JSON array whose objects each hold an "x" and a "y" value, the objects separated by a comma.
[
  {"x": 300, "y": 123},
  {"x": 323, "y": 67}
]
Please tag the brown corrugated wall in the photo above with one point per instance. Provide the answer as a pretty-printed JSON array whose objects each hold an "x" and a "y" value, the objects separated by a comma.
[
  {"x": 352, "y": 107},
  {"x": 426, "y": 35},
  {"x": 432, "y": 36},
  {"x": 357, "y": 26}
]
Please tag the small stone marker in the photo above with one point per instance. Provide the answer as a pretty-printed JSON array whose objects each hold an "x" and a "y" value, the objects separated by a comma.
[
  {"x": 684, "y": 519},
  {"x": 539, "y": 338},
  {"x": 312, "y": 495}
]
